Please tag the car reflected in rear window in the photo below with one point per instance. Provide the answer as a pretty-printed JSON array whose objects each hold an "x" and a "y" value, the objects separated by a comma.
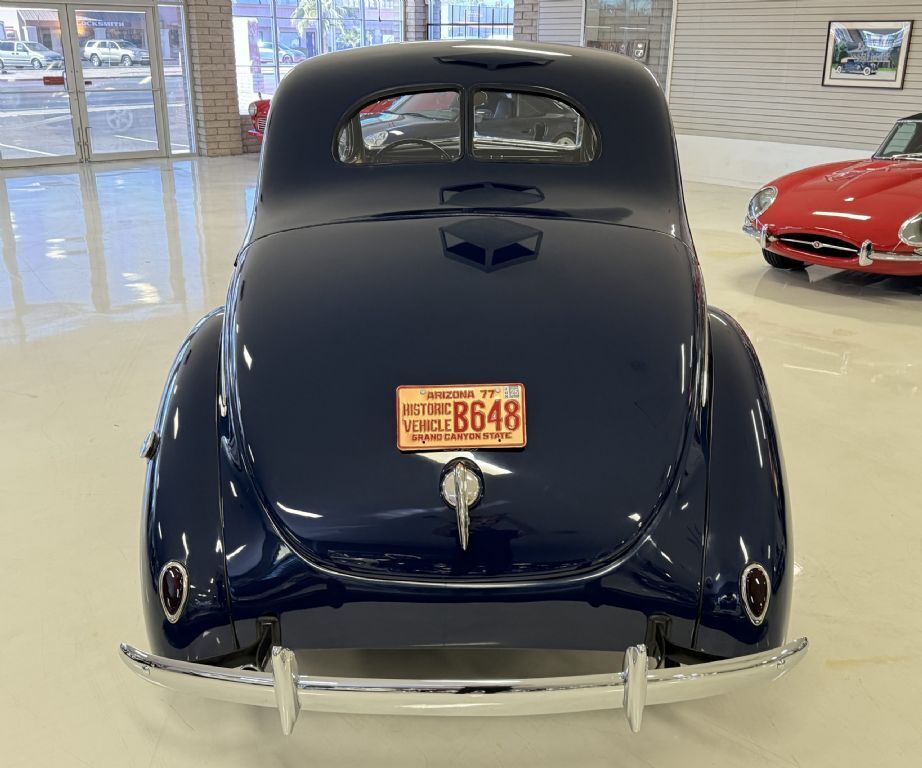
[{"x": 420, "y": 127}]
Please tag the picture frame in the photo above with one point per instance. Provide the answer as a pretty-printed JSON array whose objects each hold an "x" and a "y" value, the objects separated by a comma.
[{"x": 866, "y": 54}]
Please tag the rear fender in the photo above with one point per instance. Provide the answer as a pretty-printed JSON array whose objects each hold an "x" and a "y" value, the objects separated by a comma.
[
  {"x": 181, "y": 515},
  {"x": 748, "y": 519}
]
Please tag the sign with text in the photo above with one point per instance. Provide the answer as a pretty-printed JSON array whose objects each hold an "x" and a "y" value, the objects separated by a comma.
[{"x": 452, "y": 416}]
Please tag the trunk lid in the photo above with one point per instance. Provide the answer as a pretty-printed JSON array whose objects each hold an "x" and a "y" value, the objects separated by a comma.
[{"x": 600, "y": 322}]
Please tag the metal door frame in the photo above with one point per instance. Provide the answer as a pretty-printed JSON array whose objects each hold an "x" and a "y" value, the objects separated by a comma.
[{"x": 149, "y": 9}]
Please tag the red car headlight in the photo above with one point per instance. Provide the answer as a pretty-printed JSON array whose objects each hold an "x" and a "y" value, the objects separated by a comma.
[
  {"x": 760, "y": 201},
  {"x": 252, "y": 109},
  {"x": 911, "y": 232}
]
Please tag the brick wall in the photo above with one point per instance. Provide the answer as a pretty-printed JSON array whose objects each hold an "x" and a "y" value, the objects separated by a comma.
[
  {"x": 250, "y": 143},
  {"x": 525, "y": 20},
  {"x": 214, "y": 82},
  {"x": 416, "y": 20}
]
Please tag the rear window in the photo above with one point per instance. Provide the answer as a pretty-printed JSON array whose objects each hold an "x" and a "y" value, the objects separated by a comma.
[
  {"x": 420, "y": 127},
  {"x": 425, "y": 127},
  {"x": 513, "y": 125}
]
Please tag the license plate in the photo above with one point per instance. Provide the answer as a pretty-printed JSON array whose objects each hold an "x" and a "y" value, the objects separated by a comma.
[{"x": 460, "y": 416}]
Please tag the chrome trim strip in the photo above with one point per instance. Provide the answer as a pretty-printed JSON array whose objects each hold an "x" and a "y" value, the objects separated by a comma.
[
  {"x": 529, "y": 696},
  {"x": 893, "y": 256},
  {"x": 812, "y": 244},
  {"x": 464, "y": 518}
]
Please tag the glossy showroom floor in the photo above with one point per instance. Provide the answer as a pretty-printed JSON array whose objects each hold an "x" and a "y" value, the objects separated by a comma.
[{"x": 103, "y": 271}]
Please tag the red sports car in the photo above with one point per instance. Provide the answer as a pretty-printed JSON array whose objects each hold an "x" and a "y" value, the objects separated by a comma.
[
  {"x": 864, "y": 215},
  {"x": 259, "y": 113}
]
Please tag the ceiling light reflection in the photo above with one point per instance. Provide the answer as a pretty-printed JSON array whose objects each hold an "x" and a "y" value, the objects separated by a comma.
[
  {"x": 443, "y": 457},
  {"x": 298, "y": 512},
  {"x": 755, "y": 430},
  {"x": 513, "y": 49},
  {"x": 840, "y": 215}
]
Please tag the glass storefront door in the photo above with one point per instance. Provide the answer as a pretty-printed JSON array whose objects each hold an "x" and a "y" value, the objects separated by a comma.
[
  {"x": 37, "y": 105},
  {"x": 90, "y": 82},
  {"x": 119, "y": 92}
]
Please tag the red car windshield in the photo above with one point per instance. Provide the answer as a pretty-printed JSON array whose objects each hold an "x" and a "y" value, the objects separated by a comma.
[{"x": 904, "y": 141}]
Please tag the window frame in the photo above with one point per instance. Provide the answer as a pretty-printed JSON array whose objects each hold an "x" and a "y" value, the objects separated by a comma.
[
  {"x": 463, "y": 24},
  {"x": 533, "y": 90},
  {"x": 347, "y": 122},
  {"x": 467, "y": 122},
  {"x": 274, "y": 18}
]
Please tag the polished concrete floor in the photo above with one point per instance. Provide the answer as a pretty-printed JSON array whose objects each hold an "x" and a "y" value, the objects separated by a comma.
[{"x": 105, "y": 268}]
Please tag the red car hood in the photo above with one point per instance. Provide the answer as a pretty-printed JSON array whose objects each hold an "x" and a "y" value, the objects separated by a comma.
[{"x": 857, "y": 200}]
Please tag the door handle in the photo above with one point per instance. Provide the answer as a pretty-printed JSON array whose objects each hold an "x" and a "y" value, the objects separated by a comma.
[{"x": 86, "y": 141}]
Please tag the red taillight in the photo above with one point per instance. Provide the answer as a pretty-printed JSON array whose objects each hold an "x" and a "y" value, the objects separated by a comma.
[
  {"x": 756, "y": 592},
  {"x": 174, "y": 587}
]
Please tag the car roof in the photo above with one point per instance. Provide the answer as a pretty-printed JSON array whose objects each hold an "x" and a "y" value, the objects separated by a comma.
[
  {"x": 917, "y": 117},
  {"x": 634, "y": 178}
]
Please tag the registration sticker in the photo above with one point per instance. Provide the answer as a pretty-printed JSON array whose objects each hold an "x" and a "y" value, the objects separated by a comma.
[{"x": 446, "y": 416}]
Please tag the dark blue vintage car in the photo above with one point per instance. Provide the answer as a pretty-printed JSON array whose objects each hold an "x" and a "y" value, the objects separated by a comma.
[
  {"x": 854, "y": 67},
  {"x": 466, "y": 391}
]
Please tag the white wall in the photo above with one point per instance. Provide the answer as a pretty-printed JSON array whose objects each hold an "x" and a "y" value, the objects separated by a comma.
[
  {"x": 752, "y": 69},
  {"x": 561, "y": 21},
  {"x": 746, "y": 92},
  {"x": 749, "y": 163}
]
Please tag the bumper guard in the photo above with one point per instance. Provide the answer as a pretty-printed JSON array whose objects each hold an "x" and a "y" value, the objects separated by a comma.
[{"x": 632, "y": 689}]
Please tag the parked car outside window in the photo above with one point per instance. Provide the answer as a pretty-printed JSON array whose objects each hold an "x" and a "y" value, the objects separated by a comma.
[
  {"x": 114, "y": 52},
  {"x": 22, "y": 54}
]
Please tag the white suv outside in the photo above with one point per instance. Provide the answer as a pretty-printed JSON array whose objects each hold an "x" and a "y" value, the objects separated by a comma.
[{"x": 109, "y": 52}]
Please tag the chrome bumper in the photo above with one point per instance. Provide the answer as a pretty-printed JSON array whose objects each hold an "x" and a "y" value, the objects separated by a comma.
[
  {"x": 866, "y": 253},
  {"x": 632, "y": 688}
]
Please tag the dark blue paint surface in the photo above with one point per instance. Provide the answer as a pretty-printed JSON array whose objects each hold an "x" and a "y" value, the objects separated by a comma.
[
  {"x": 652, "y": 473},
  {"x": 608, "y": 409},
  {"x": 182, "y": 505},
  {"x": 748, "y": 513}
]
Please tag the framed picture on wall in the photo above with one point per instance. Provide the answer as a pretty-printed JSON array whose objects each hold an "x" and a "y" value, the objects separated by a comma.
[{"x": 867, "y": 54}]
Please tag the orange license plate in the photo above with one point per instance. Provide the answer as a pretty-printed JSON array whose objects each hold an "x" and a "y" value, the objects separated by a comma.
[{"x": 460, "y": 416}]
